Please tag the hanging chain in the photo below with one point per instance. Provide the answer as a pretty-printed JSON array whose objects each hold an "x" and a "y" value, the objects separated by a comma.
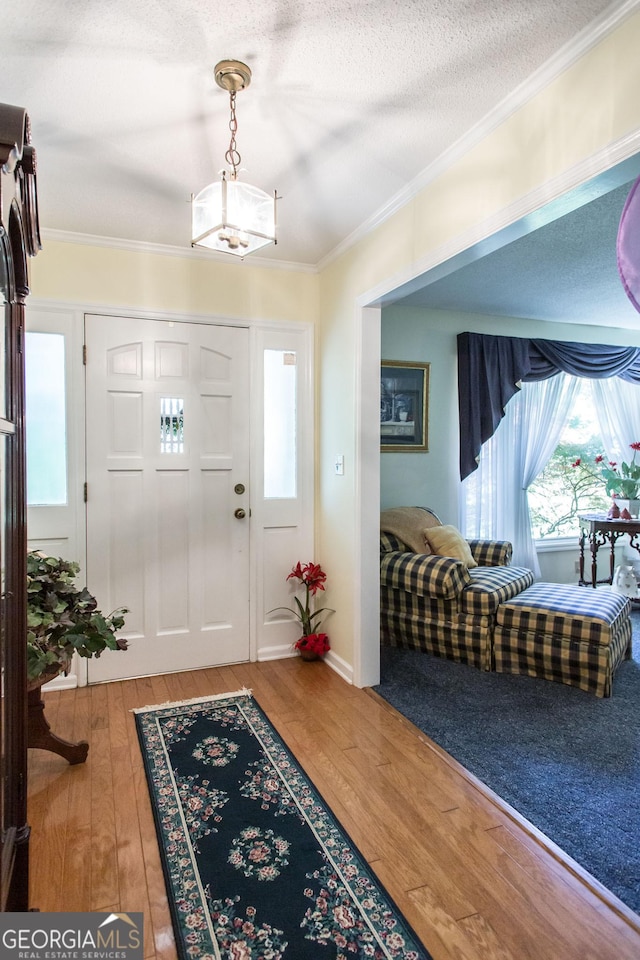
[{"x": 232, "y": 156}]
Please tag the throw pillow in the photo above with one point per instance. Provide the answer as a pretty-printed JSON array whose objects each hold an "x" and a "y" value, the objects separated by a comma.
[
  {"x": 449, "y": 542},
  {"x": 408, "y": 524}
]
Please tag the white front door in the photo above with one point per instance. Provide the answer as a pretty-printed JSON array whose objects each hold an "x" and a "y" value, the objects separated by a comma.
[{"x": 167, "y": 491}]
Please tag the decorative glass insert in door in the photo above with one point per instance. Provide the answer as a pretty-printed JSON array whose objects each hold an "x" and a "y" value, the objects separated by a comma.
[{"x": 171, "y": 425}]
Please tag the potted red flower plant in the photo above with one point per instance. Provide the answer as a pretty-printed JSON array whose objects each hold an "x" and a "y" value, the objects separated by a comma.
[
  {"x": 622, "y": 482},
  {"x": 311, "y": 644}
]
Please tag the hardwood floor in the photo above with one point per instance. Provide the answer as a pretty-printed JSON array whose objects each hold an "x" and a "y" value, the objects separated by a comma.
[{"x": 474, "y": 882}]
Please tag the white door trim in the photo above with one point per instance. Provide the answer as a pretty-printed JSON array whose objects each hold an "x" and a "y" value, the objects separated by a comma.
[{"x": 366, "y": 627}]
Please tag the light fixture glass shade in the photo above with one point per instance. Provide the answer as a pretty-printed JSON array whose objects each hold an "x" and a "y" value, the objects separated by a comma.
[{"x": 233, "y": 217}]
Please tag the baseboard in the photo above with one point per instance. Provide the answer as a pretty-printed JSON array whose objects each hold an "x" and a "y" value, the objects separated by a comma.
[
  {"x": 340, "y": 666},
  {"x": 285, "y": 650},
  {"x": 67, "y": 681},
  {"x": 277, "y": 652}
]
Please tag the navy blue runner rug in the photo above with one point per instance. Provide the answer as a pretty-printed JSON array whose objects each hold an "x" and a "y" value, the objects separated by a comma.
[{"x": 256, "y": 865}]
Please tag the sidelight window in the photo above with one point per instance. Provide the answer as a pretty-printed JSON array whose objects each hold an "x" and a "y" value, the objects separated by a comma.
[
  {"x": 280, "y": 416},
  {"x": 46, "y": 419}
]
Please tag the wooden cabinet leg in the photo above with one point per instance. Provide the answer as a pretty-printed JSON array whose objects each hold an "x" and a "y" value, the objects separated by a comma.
[
  {"x": 39, "y": 733},
  {"x": 594, "y": 562}
]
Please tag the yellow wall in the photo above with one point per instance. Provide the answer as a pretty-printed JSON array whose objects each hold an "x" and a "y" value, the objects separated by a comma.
[
  {"x": 141, "y": 280},
  {"x": 589, "y": 107}
]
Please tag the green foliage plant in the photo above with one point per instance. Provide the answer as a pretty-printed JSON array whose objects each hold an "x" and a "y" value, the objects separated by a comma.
[{"x": 63, "y": 619}]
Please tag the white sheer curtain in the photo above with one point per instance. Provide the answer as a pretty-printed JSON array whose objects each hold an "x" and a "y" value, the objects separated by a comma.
[
  {"x": 494, "y": 499},
  {"x": 617, "y": 406}
]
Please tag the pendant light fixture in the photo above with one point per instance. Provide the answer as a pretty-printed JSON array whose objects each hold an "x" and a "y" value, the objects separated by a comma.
[{"x": 229, "y": 215}]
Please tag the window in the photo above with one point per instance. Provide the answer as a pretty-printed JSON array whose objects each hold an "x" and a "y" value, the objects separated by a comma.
[
  {"x": 496, "y": 499},
  {"x": 46, "y": 419},
  {"x": 171, "y": 425},
  {"x": 563, "y": 491},
  {"x": 280, "y": 415}
]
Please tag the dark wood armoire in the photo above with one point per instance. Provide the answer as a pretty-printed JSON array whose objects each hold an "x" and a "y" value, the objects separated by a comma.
[{"x": 19, "y": 239}]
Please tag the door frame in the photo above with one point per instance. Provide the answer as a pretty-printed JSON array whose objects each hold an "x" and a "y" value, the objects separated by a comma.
[{"x": 72, "y": 316}]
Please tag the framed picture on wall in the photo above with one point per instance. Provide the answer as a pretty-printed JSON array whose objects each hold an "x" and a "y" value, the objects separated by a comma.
[{"x": 404, "y": 406}]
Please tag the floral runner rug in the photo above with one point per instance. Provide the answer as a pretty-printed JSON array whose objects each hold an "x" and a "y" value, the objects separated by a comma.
[{"x": 256, "y": 865}]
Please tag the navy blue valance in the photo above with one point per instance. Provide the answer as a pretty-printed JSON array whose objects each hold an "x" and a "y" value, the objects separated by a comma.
[{"x": 490, "y": 369}]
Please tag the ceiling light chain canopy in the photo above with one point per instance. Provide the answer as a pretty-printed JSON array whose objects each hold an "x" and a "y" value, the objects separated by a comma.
[{"x": 229, "y": 215}]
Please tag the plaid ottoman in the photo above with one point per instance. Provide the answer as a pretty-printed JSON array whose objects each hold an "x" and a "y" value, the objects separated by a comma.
[{"x": 574, "y": 635}]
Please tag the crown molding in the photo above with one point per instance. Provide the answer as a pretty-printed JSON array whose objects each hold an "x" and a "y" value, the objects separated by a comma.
[
  {"x": 582, "y": 43},
  {"x": 166, "y": 250},
  {"x": 511, "y": 218}
]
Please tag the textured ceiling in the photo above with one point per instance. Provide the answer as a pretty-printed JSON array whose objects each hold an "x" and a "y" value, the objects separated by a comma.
[
  {"x": 349, "y": 102},
  {"x": 566, "y": 270}
]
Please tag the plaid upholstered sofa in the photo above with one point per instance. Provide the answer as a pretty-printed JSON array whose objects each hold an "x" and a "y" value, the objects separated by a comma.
[{"x": 440, "y": 605}]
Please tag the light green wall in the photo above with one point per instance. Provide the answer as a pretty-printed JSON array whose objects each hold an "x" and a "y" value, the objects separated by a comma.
[{"x": 429, "y": 336}]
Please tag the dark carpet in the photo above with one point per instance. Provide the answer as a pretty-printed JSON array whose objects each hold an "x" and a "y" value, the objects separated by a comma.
[{"x": 565, "y": 760}]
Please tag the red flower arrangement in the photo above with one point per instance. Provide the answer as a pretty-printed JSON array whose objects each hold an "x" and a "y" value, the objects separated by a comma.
[
  {"x": 315, "y": 643},
  {"x": 620, "y": 480},
  {"x": 312, "y": 578}
]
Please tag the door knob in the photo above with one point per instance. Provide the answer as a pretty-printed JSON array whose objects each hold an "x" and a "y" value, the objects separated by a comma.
[{"x": 239, "y": 514}]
